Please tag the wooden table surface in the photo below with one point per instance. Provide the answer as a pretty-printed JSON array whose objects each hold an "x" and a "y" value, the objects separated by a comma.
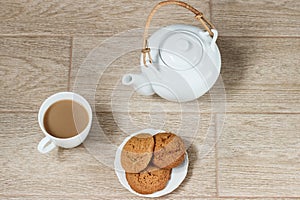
[{"x": 256, "y": 155}]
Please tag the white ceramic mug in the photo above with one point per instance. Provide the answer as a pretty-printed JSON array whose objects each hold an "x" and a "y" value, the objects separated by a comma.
[{"x": 49, "y": 142}]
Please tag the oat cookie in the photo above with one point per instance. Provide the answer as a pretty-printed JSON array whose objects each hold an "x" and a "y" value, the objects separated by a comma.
[
  {"x": 137, "y": 153},
  {"x": 151, "y": 180},
  {"x": 169, "y": 150}
]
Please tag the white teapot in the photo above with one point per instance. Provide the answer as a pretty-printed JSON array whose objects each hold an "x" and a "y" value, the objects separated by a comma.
[{"x": 178, "y": 62}]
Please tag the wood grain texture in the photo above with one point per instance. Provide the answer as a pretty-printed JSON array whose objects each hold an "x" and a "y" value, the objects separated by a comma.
[
  {"x": 32, "y": 68},
  {"x": 260, "y": 63},
  {"x": 258, "y": 155},
  {"x": 199, "y": 138},
  {"x": 73, "y": 172},
  {"x": 87, "y": 17},
  {"x": 256, "y": 18},
  {"x": 86, "y": 197},
  {"x": 109, "y": 93},
  {"x": 261, "y": 75},
  {"x": 61, "y": 172},
  {"x": 257, "y": 79},
  {"x": 82, "y": 197}
]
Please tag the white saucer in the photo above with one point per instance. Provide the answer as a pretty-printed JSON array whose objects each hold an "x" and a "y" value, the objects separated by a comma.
[{"x": 177, "y": 176}]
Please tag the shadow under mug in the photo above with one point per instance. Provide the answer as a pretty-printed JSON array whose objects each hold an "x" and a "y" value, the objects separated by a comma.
[{"x": 49, "y": 142}]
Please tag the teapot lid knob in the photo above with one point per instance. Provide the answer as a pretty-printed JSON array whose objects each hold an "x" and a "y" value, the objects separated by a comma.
[
  {"x": 183, "y": 45},
  {"x": 181, "y": 50}
]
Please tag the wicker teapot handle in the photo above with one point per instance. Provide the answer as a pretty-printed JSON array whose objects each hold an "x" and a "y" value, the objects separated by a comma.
[{"x": 198, "y": 15}]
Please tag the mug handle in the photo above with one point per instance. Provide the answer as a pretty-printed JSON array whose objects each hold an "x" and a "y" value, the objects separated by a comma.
[{"x": 42, "y": 145}]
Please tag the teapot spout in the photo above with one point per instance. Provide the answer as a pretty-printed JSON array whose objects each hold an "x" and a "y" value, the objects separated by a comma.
[{"x": 139, "y": 82}]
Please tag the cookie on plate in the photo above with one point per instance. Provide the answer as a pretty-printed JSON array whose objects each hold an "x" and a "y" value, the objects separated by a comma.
[
  {"x": 169, "y": 150},
  {"x": 137, "y": 153},
  {"x": 151, "y": 180}
]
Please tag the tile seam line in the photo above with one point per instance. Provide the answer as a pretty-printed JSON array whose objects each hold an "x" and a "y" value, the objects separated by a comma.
[
  {"x": 209, "y": 197},
  {"x": 262, "y": 36},
  {"x": 210, "y": 10},
  {"x": 70, "y": 63},
  {"x": 109, "y": 35},
  {"x": 72, "y": 195},
  {"x": 205, "y": 113},
  {"x": 259, "y": 197},
  {"x": 217, "y": 156},
  {"x": 56, "y": 35},
  {"x": 34, "y": 35}
]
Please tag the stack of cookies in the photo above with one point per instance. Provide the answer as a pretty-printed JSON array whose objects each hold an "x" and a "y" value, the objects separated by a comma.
[{"x": 148, "y": 160}]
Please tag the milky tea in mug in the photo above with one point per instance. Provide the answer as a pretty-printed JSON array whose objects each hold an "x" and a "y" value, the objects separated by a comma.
[{"x": 65, "y": 119}]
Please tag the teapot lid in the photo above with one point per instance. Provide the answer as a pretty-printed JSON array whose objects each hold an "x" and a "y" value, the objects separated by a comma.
[{"x": 181, "y": 50}]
